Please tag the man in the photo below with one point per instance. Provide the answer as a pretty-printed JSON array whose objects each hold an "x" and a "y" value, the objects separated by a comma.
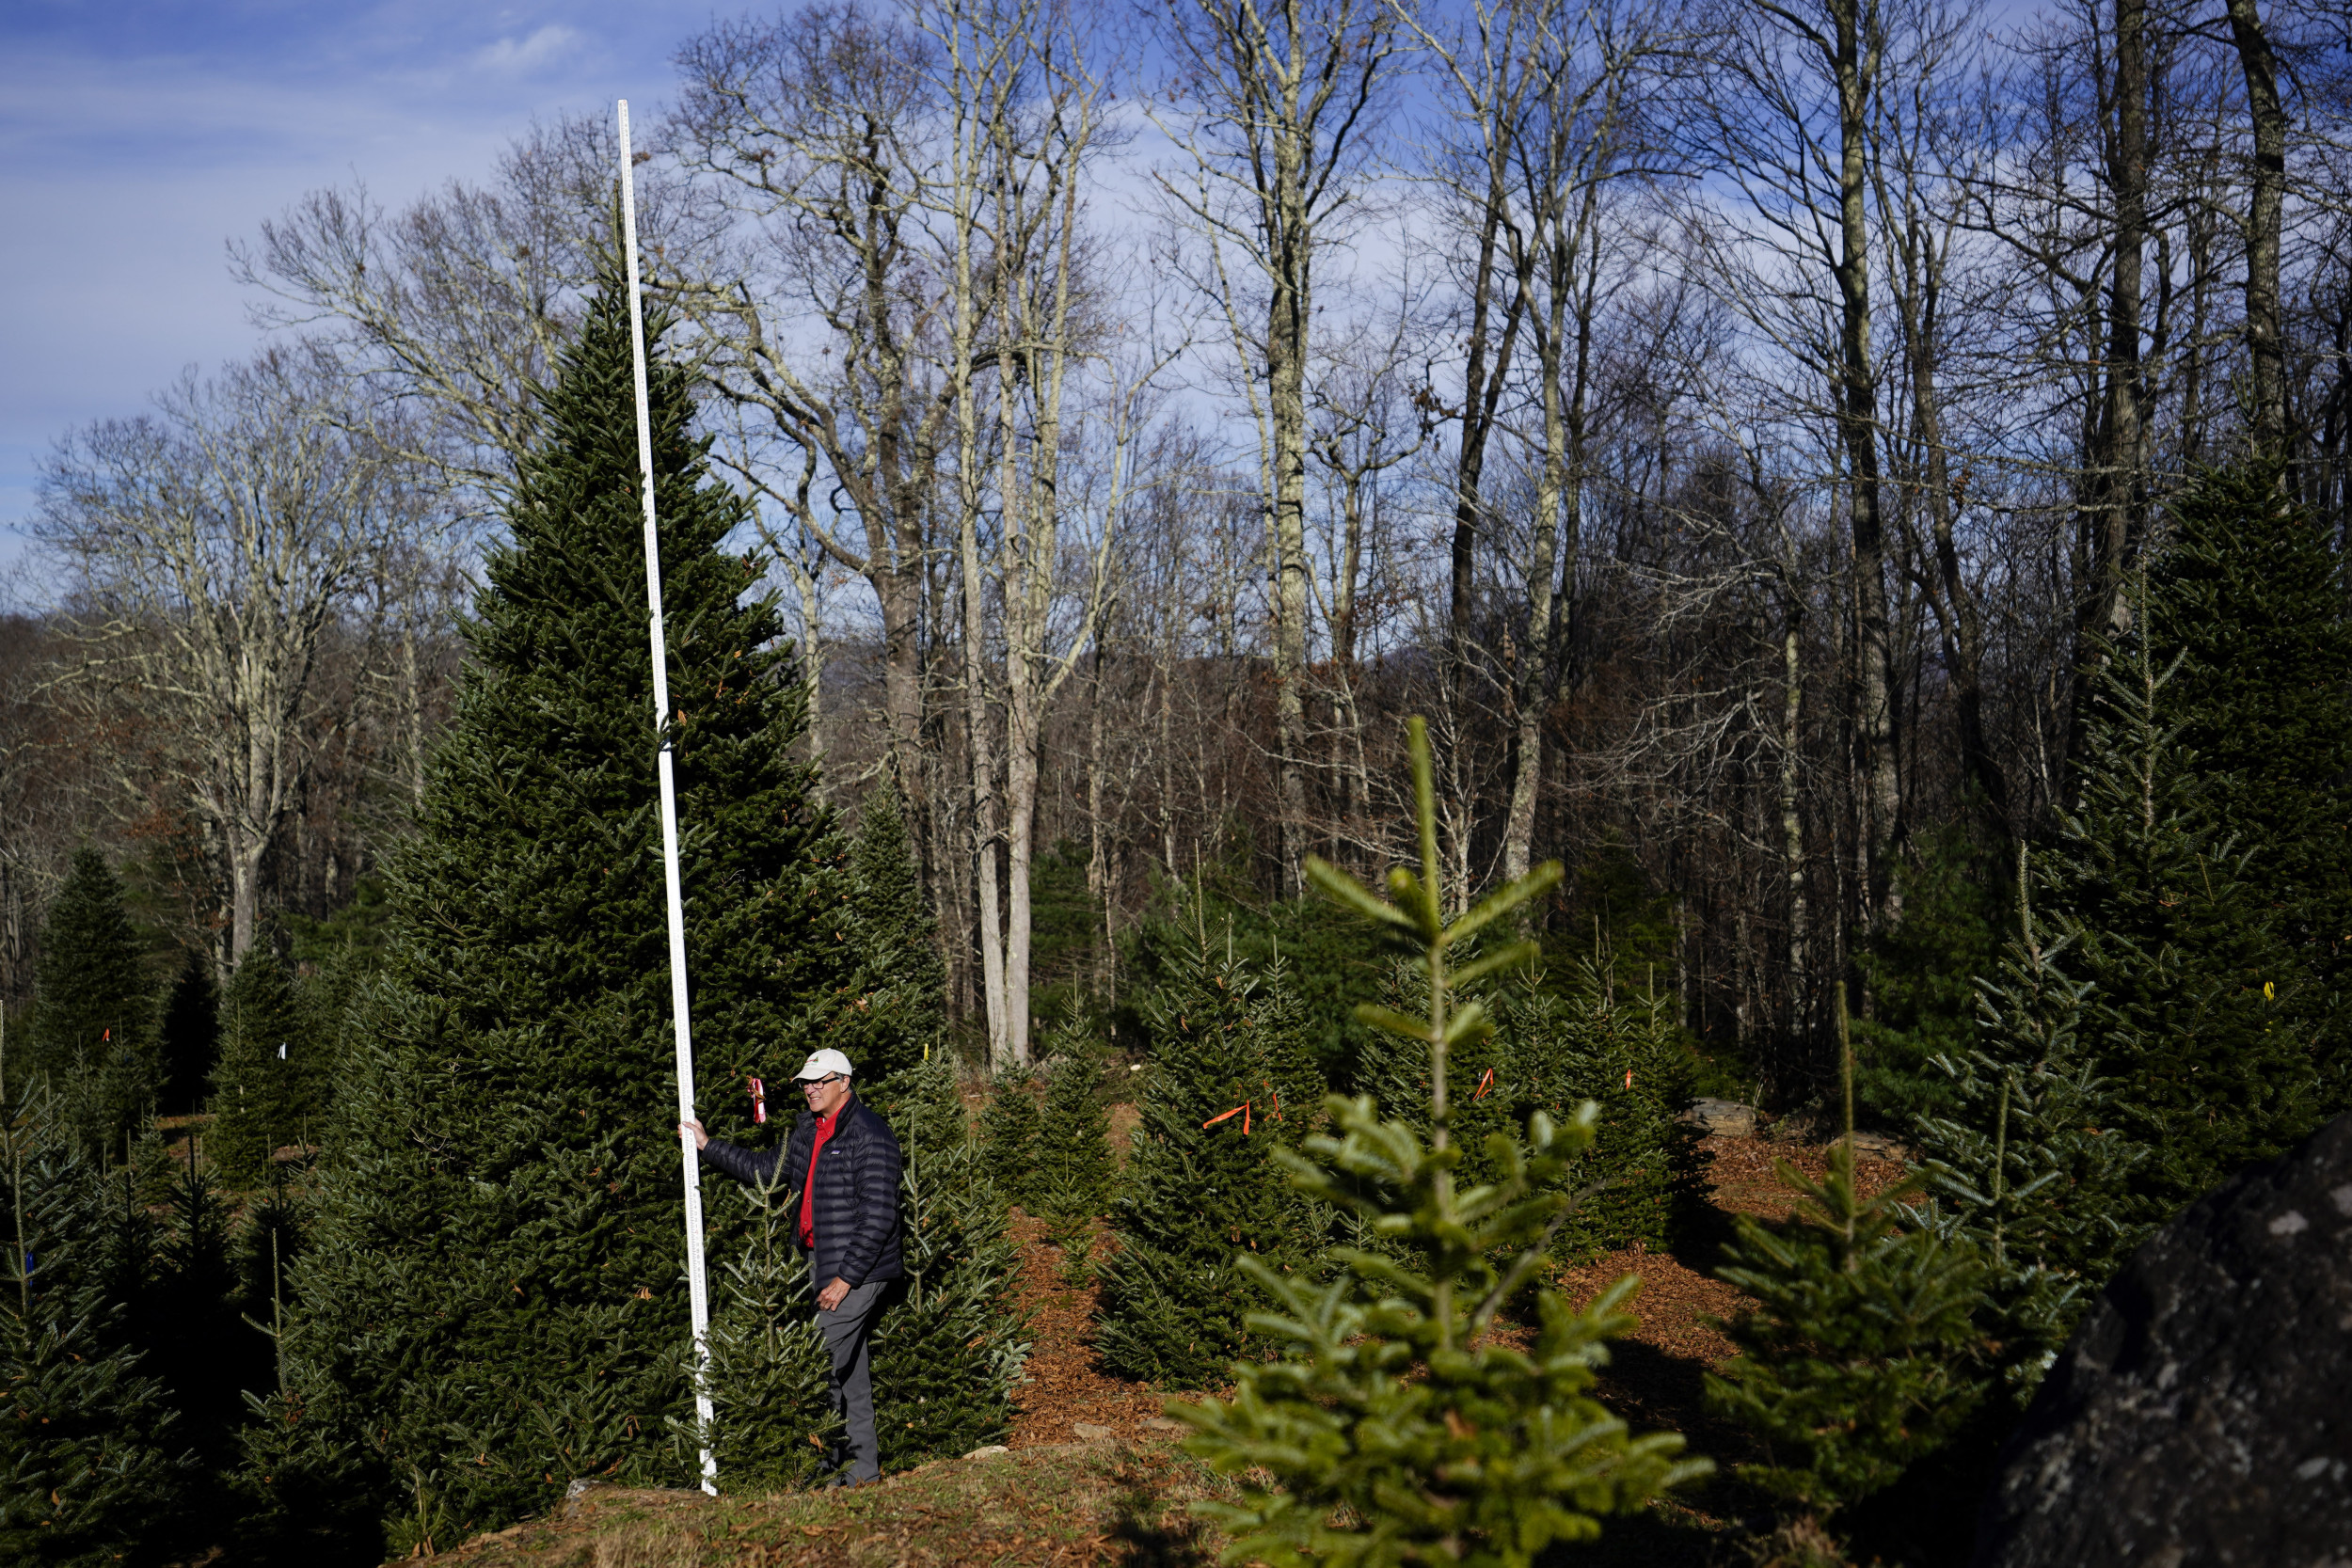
[{"x": 846, "y": 1164}]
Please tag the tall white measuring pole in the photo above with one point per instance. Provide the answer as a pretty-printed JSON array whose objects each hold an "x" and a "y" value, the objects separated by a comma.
[{"x": 698, "y": 1288}]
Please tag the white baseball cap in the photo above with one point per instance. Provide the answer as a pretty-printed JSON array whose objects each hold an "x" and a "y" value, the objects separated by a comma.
[{"x": 823, "y": 1064}]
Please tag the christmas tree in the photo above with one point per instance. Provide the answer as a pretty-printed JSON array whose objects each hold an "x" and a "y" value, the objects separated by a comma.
[
  {"x": 1009, "y": 1137},
  {"x": 93, "y": 1019},
  {"x": 2027, "y": 1166},
  {"x": 1861, "y": 1353},
  {"x": 2194, "y": 1001},
  {"x": 1495, "y": 1084},
  {"x": 1921, "y": 975},
  {"x": 1285, "y": 1029},
  {"x": 1621, "y": 1052},
  {"x": 494, "y": 1301},
  {"x": 190, "y": 1032},
  {"x": 2248, "y": 594},
  {"x": 948, "y": 1350},
  {"x": 206, "y": 1357},
  {"x": 897, "y": 939},
  {"x": 1201, "y": 1186},
  {"x": 1394, "y": 1429},
  {"x": 269, "y": 1079},
  {"x": 774, "y": 1422},
  {"x": 271, "y": 1237},
  {"x": 91, "y": 1466},
  {"x": 1074, "y": 1168}
]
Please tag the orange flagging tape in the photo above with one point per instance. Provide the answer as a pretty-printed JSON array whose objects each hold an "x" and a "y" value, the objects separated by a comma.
[
  {"x": 1241, "y": 1110},
  {"x": 1485, "y": 1083},
  {"x": 1628, "y": 1078}
]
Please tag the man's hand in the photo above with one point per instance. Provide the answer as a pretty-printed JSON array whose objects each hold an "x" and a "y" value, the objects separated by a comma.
[
  {"x": 702, "y": 1139},
  {"x": 833, "y": 1295}
]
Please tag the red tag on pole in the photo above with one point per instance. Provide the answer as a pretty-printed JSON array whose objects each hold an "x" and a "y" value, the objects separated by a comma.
[{"x": 759, "y": 1103}]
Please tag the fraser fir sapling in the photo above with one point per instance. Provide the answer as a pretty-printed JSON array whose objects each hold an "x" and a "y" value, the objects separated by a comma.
[
  {"x": 2030, "y": 1165},
  {"x": 1861, "y": 1353},
  {"x": 204, "y": 1355},
  {"x": 1201, "y": 1183},
  {"x": 1009, "y": 1137},
  {"x": 1620, "y": 1050},
  {"x": 93, "y": 1466},
  {"x": 260, "y": 1100},
  {"x": 1391, "y": 1428},
  {"x": 774, "y": 1422},
  {"x": 896, "y": 940},
  {"x": 1076, "y": 1171},
  {"x": 190, "y": 1038},
  {"x": 949, "y": 1350}
]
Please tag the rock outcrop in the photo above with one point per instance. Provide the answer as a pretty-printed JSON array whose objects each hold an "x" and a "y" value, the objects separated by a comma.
[
  {"x": 2202, "y": 1415},
  {"x": 1724, "y": 1119}
]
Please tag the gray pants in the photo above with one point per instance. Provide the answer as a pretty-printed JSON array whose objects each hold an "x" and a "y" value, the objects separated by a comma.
[{"x": 846, "y": 1329}]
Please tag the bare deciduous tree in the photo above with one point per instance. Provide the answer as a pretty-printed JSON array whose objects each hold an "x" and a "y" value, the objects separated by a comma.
[{"x": 212, "y": 549}]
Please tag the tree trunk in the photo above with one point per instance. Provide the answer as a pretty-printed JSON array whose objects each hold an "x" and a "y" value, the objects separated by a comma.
[
  {"x": 2108, "y": 523},
  {"x": 2264, "y": 337},
  {"x": 1856, "y": 65}
]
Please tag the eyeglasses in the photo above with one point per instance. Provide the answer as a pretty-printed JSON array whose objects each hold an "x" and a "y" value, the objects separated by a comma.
[{"x": 808, "y": 1083}]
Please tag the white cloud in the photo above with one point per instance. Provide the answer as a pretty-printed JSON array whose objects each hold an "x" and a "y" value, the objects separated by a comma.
[{"x": 514, "y": 57}]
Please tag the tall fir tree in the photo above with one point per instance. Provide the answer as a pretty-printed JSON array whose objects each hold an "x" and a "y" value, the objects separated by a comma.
[
  {"x": 1201, "y": 1186},
  {"x": 2194, "y": 1001},
  {"x": 94, "y": 1011},
  {"x": 2247, "y": 594},
  {"x": 896, "y": 936},
  {"x": 495, "y": 1301},
  {"x": 92, "y": 1466},
  {"x": 948, "y": 1350},
  {"x": 190, "y": 1038},
  {"x": 268, "y": 1084},
  {"x": 271, "y": 1236}
]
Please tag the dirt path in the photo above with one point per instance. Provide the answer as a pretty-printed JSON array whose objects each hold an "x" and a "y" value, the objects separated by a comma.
[{"x": 1654, "y": 1380}]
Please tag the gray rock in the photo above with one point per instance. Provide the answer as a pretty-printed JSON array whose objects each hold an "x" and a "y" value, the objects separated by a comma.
[
  {"x": 1088, "y": 1431},
  {"x": 1877, "y": 1146},
  {"x": 989, "y": 1453},
  {"x": 1726, "y": 1118},
  {"x": 2202, "y": 1415}
]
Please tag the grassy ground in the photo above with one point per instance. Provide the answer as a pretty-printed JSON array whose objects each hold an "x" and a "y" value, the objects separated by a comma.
[{"x": 1065, "y": 1504}]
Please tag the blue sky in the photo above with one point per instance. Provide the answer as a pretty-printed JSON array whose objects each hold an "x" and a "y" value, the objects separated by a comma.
[{"x": 137, "y": 139}]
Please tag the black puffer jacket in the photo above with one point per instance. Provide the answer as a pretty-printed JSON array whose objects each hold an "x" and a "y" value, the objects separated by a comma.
[{"x": 856, "y": 1212}]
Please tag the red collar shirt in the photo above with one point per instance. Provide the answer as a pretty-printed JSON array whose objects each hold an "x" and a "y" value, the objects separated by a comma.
[{"x": 808, "y": 1186}]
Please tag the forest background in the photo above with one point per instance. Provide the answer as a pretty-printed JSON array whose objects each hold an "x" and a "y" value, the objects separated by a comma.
[{"x": 1736, "y": 428}]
